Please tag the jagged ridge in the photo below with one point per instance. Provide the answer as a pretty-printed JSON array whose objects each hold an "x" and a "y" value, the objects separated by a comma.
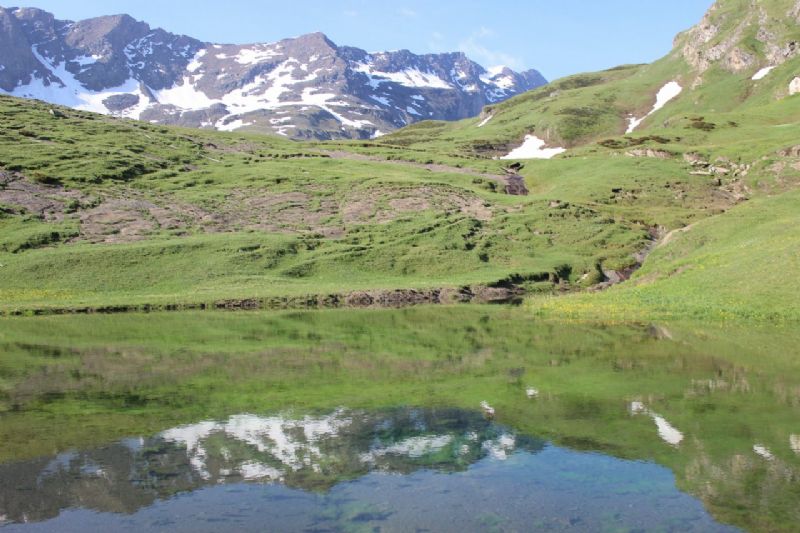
[{"x": 305, "y": 87}]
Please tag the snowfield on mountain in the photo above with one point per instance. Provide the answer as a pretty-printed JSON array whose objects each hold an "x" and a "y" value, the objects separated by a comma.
[{"x": 305, "y": 87}]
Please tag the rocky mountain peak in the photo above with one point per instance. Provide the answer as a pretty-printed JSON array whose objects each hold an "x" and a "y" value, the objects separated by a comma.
[
  {"x": 303, "y": 87},
  {"x": 105, "y": 35},
  {"x": 38, "y": 25},
  {"x": 17, "y": 62},
  {"x": 533, "y": 77},
  {"x": 316, "y": 41}
]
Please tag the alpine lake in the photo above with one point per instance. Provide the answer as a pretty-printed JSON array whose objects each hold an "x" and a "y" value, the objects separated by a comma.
[{"x": 447, "y": 418}]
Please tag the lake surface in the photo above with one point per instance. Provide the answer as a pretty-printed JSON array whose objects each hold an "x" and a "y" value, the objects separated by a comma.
[{"x": 464, "y": 418}]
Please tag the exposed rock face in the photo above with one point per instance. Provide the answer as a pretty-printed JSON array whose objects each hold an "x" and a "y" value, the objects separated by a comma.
[
  {"x": 701, "y": 48},
  {"x": 307, "y": 87},
  {"x": 794, "y": 12},
  {"x": 649, "y": 152},
  {"x": 726, "y": 36}
]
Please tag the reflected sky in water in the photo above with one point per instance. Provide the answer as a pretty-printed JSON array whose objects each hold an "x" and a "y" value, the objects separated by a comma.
[
  {"x": 395, "y": 470},
  {"x": 300, "y": 421}
]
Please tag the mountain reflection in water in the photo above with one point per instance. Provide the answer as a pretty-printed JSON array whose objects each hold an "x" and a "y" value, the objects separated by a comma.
[
  {"x": 637, "y": 425},
  {"x": 345, "y": 467}
]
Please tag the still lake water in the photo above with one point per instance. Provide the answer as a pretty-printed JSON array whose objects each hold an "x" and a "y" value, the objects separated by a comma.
[{"x": 379, "y": 420}]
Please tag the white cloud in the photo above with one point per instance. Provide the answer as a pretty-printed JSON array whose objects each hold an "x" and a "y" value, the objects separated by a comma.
[
  {"x": 351, "y": 13},
  {"x": 475, "y": 47},
  {"x": 406, "y": 12}
]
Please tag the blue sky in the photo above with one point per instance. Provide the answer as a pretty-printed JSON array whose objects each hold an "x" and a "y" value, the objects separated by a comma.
[{"x": 556, "y": 37}]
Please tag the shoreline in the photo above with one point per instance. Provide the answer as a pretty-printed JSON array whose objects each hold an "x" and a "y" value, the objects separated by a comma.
[{"x": 378, "y": 298}]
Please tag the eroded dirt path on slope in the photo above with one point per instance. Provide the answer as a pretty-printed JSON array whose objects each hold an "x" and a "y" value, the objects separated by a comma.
[{"x": 512, "y": 183}]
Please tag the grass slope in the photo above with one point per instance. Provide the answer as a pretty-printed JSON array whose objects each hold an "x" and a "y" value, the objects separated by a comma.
[
  {"x": 96, "y": 211},
  {"x": 216, "y": 216},
  {"x": 742, "y": 264}
]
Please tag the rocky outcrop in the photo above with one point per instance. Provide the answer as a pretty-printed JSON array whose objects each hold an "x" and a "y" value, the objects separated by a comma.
[
  {"x": 652, "y": 153},
  {"x": 306, "y": 87},
  {"x": 17, "y": 62},
  {"x": 726, "y": 36}
]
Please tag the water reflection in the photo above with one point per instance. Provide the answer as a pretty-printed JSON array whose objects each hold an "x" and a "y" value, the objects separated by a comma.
[
  {"x": 316, "y": 451},
  {"x": 666, "y": 431},
  {"x": 715, "y": 406},
  {"x": 345, "y": 470}
]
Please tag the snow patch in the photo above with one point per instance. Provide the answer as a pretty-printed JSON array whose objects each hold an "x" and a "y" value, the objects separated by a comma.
[
  {"x": 257, "y": 471},
  {"x": 184, "y": 96},
  {"x": 410, "y": 77},
  {"x": 485, "y": 121},
  {"x": 533, "y": 148},
  {"x": 232, "y": 125},
  {"x": 794, "y": 443},
  {"x": 502, "y": 82},
  {"x": 324, "y": 101},
  {"x": 85, "y": 61},
  {"x": 794, "y": 86},
  {"x": 637, "y": 408},
  {"x": 664, "y": 96},
  {"x": 411, "y": 447},
  {"x": 500, "y": 448},
  {"x": 666, "y": 431},
  {"x": 253, "y": 56},
  {"x": 293, "y": 443},
  {"x": 761, "y": 74},
  {"x": 763, "y": 451},
  {"x": 498, "y": 84},
  {"x": 282, "y": 130},
  {"x": 195, "y": 63},
  {"x": 69, "y": 92}
]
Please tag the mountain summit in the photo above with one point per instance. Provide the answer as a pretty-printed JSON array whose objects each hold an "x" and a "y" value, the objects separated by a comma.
[{"x": 305, "y": 87}]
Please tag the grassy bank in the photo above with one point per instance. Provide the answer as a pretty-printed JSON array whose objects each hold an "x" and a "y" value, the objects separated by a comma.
[{"x": 738, "y": 265}]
